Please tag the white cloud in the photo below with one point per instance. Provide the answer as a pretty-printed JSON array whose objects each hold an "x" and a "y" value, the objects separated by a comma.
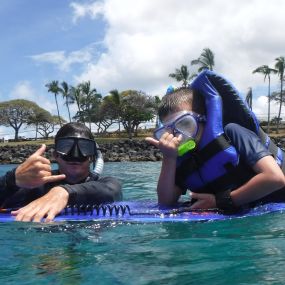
[
  {"x": 146, "y": 40},
  {"x": 64, "y": 60},
  {"x": 260, "y": 107},
  {"x": 23, "y": 90},
  {"x": 91, "y": 10}
]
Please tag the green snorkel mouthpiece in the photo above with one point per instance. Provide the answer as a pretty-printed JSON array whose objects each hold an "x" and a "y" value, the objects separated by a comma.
[{"x": 185, "y": 147}]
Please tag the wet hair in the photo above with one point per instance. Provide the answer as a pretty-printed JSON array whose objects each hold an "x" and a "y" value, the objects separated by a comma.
[
  {"x": 179, "y": 99},
  {"x": 74, "y": 129}
]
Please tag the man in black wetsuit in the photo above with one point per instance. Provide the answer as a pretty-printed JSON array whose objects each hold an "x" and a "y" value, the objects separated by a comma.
[{"x": 41, "y": 193}]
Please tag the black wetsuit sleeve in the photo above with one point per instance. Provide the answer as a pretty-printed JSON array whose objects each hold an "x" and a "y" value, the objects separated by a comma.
[
  {"x": 103, "y": 190},
  {"x": 247, "y": 143},
  {"x": 8, "y": 185}
]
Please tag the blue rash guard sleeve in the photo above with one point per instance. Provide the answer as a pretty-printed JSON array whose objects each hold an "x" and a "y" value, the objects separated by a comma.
[{"x": 247, "y": 143}]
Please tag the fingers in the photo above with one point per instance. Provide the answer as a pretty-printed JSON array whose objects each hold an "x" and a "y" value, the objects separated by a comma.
[
  {"x": 34, "y": 213},
  {"x": 54, "y": 178},
  {"x": 204, "y": 201},
  {"x": 46, "y": 207},
  {"x": 40, "y": 151},
  {"x": 152, "y": 141}
]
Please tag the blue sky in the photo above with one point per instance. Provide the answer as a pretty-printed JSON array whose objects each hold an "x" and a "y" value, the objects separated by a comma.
[{"x": 133, "y": 44}]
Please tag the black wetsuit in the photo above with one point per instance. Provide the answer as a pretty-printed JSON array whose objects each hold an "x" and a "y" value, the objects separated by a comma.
[{"x": 92, "y": 190}]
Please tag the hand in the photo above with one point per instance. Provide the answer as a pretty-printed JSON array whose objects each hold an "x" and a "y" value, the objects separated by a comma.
[
  {"x": 35, "y": 171},
  {"x": 204, "y": 201},
  {"x": 47, "y": 206},
  {"x": 168, "y": 144}
]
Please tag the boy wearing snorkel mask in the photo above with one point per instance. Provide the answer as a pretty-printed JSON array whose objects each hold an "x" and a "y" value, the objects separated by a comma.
[
  {"x": 44, "y": 192},
  {"x": 183, "y": 117}
]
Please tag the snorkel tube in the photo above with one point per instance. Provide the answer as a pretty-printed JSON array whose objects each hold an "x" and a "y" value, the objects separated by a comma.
[{"x": 98, "y": 166}]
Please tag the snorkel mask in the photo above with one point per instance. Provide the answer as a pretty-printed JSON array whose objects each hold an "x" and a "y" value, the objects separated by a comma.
[
  {"x": 186, "y": 124},
  {"x": 73, "y": 148}
]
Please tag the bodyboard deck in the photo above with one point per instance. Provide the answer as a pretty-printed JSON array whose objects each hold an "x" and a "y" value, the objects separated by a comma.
[{"x": 148, "y": 212}]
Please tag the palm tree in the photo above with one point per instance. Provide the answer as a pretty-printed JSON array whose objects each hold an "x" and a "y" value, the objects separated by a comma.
[
  {"x": 280, "y": 67},
  {"x": 206, "y": 60},
  {"x": 266, "y": 71},
  {"x": 182, "y": 74},
  {"x": 90, "y": 98},
  {"x": 65, "y": 91},
  {"x": 75, "y": 93},
  {"x": 54, "y": 88},
  {"x": 115, "y": 97}
]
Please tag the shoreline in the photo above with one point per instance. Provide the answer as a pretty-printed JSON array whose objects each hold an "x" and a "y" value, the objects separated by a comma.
[{"x": 121, "y": 150}]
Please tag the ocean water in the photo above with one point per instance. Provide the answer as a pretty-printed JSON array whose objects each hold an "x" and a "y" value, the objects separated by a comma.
[{"x": 238, "y": 251}]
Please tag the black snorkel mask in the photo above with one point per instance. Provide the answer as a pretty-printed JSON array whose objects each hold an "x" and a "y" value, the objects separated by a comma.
[{"x": 75, "y": 149}]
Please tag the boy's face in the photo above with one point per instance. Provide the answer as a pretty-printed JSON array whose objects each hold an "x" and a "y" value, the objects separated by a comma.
[{"x": 183, "y": 122}]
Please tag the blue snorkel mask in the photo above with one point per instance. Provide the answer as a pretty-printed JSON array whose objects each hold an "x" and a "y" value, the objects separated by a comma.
[{"x": 186, "y": 124}]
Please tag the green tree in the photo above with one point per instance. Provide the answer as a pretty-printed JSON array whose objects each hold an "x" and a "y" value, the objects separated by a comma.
[
  {"x": 37, "y": 117},
  {"x": 67, "y": 95},
  {"x": 15, "y": 113},
  {"x": 182, "y": 74},
  {"x": 206, "y": 60},
  {"x": 89, "y": 98},
  {"x": 47, "y": 127},
  {"x": 266, "y": 71},
  {"x": 104, "y": 115},
  {"x": 55, "y": 89},
  {"x": 113, "y": 100},
  {"x": 136, "y": 107},
  {"x": 280, "y": 67},
  {"x": 75, "y": 93}
]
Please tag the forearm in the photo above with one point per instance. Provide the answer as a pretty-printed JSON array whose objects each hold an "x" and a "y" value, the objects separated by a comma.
[
  {"x": 258, "y": 187},
  {"x": 103, "y": 190},
  {"x": 168, "y": 193},
  {"x": 8, "y": 184}
]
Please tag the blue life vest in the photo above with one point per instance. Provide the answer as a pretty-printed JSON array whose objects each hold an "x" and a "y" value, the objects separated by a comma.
[{"x": 214, "y": 165}]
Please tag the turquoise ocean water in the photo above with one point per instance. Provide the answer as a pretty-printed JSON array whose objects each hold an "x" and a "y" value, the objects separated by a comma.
[{"x": 239, "y": 251}]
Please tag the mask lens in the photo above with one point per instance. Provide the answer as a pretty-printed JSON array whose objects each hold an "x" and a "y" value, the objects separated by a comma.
[
  {"x": 187, "y": 126},
  {"x": 159, "y": 133},
  {"x": 87, "y": 147},
  {"x": 64, "y": 145}
]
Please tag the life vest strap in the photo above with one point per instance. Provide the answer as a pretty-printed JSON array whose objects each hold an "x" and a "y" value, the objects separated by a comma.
[
  {"x": 230, "y": 179},
  {"x": 198, "y": 158}
]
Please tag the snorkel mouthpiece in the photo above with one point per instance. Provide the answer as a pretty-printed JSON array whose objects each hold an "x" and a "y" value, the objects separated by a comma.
[{"x": 185, "y": 147}]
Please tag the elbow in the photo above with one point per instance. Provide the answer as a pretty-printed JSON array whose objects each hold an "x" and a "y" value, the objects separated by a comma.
[{"x": 279, "y": 181}]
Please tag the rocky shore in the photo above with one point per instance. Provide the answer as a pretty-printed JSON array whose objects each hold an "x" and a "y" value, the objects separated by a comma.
[{"x": 123, "y": 150}]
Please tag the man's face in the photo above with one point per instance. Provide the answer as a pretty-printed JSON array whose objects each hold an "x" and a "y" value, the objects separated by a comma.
[
  {"x": 75, "y": 171},
  {"x": 73, "y": 155}
]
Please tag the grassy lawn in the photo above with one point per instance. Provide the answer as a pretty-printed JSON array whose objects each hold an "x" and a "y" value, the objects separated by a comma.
[{"x": 99, "y": 140}]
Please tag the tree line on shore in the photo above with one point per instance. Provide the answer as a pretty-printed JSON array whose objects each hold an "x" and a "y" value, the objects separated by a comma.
[{"x": 127, "y": 109}]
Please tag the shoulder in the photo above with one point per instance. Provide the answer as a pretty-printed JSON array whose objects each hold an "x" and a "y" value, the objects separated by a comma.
[
  {"x": 247, "y": 143},
  {"x": 232, "y": 129},
  {"x": 110, "y": 180}
]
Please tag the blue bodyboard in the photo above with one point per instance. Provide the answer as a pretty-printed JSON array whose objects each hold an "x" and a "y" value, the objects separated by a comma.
[{"x": 149, "y": 212}]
